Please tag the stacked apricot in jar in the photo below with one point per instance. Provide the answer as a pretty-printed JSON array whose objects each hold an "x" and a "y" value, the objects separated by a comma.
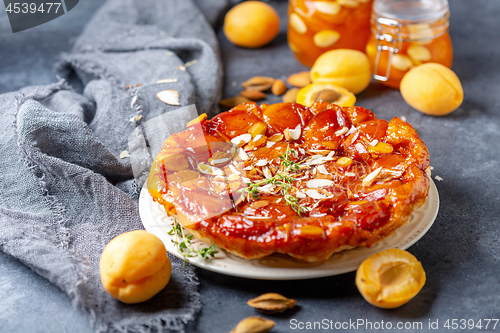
[
  {"x": 406, "y": 34},
  {"x": 421, "y": 43},
  {"x": 315, "y": 27}
]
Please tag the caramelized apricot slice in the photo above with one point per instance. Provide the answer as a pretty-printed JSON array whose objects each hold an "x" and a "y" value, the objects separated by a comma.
[
  {"x": 321, "y": 106},
  {"x": 233, "y": 122},
  {"x": 359, "y": 114},
  {"x": 285, "y": 115},
  {"x": 368, "y": 215},
  {"x": 173, "y": 162},
  {"x": 393, "y": 161},
  {"x": 400, "y": 133},
  {"x": 374, "y": 129},
  {"x": 251, "y": 107},
  {"x": 198, "y": 120},
  {"x": 195, "y": 141},
  {"x": 357, "y": 147},
  {"x": 323, "y": 129},
  {"x": 390, "y": 278}
]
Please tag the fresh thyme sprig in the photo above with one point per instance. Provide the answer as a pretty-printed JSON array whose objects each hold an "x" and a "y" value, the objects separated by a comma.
[
  {"x": 252, "y": 192},
  {"x": 286, "y": 163},
  {"x": 293, "y": 202},
  {"x": 185, "y": 247},
  {"x": 282, "y": 178}
]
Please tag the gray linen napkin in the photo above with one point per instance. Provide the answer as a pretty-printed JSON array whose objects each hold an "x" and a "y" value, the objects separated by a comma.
[{"x": 64, "y": 191}]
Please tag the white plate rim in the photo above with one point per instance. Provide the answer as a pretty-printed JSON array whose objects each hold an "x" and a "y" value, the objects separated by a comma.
[{"x": 156, "y": 221}]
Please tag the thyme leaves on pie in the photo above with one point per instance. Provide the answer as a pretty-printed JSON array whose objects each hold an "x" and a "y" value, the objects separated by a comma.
[
  {"x": 283, "y": 178},
  {"x": 185, "y": 247}
]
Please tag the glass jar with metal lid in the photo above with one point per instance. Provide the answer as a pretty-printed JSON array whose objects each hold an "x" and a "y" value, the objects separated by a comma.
[
  {"x": 317, "y": 26},
  {"x": 407, "y": 33}
]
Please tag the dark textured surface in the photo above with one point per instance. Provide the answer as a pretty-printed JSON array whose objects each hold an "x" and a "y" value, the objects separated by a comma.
[{"x": 460, "y": 253}]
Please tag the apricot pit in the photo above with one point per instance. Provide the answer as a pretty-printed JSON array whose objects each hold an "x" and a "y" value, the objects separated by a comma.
[{"x": 327, "y": 92}]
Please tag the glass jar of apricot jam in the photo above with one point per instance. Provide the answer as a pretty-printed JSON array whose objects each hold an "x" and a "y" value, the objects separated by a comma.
[
  {"x": 315, "y": 27},
  {"x": 407, "y": 33}
]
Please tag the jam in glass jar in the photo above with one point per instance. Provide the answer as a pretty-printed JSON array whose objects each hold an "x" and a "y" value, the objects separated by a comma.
[
  {"x": 315, "y": 27},
  {"x": 407, "y": 33}
]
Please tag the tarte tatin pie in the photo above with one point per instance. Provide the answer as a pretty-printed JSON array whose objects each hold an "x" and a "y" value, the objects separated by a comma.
[{"x": 285, "y": 178}]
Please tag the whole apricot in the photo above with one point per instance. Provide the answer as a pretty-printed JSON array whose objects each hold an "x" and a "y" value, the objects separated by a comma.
[
  {"x": 134, "y": 267},
  {"x": 251, "y": 24},
  {"x": 433, "y": 89},
  {"x": 349, "y": 69},
  {"x": 390, "y": 278}
]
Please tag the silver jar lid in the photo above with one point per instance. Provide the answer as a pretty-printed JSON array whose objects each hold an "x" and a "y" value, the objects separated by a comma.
[{"x": 411, "y": 10}]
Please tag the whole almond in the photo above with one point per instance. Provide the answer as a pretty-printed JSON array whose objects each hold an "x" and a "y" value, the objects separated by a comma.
[
  {"x": 254, "y": 325},
  {"x": 233, "y": 101},
  {"x": 291, "y": 95},
  {"x": 271, "y": 303},
  {"x": 260, "y": 83},
  {"x": 300, "y": 80},
  {"x": 279, "y": 87},
  {"x": 254, "y": 95}
]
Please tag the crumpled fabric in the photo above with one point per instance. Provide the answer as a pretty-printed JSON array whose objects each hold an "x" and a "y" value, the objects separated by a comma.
[{"x": 65, "y": 192}]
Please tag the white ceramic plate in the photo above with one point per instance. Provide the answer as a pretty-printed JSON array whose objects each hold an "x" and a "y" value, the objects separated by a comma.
[{"x": 281, "y": 267}]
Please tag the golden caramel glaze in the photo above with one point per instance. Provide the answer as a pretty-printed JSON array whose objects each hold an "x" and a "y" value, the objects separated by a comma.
[{"x": 358, "y": 179}]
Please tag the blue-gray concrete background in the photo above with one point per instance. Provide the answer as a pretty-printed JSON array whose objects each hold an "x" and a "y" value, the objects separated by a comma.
[{"x": 460, "y": 253}]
